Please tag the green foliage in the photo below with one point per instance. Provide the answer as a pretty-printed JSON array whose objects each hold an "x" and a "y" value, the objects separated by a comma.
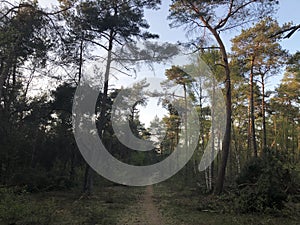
[
  {"x": 15, "y": 207},
  {"x": 256, "y": 51},
  {"x": 22, "y": 34},
  {"x": 38, "y": 153},
  {"x": 221, "y": 15},
  {"x": 262, "y": 184},
  {"x": 192, "y": 208},
  {"x": 37, "y": 180},
  {"x": 22, "y": 208}
]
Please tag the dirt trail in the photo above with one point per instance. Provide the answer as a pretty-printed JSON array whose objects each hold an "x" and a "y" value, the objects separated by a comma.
[
  {"x": 151, "y": 212},
  {"x": 144, "y": 213}
]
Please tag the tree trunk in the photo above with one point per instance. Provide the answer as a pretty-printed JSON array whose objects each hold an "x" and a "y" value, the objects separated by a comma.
[
  {"x": 2, "y": 81},
  {"x": 185, "y": 133},
  {"x": 3, "y": 76},
  {"x": 213, "y": 136},
  {"x": 263, "y": 111},
  {"x": 88, "y": 180},
  {"x": 227, "y": 137},
  {"x": 206, "y": 179},
  {"x": 72, "y": 166},
  {"x": 249, "y": 130},
  {"x": 80, "y": 61},
  {"x": 237, "y": 152},
  {"x": 253, "y": 135}
]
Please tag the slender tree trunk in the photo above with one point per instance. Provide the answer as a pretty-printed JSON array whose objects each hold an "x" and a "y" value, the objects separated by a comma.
[
  {"x": 298, "y": 143},
  {"x": 249, "y": 130},
  {"x": 227, "y": 137},
  {"x": 253, "y": 135},
  {"x": 275, "y": 133},
  {"x": 263, "y": 111},
  {"x": 201, "y": 122},
  {"x": 185, "y": 132},
  {"x": 293, "y": 142},
  {"x": 237, "y": 152},
  {"x": 88, "y": 175},
  {"x": 88, "y": 181},
  {"x": 213, "y": 136},
  {"x": 207, "y": 179},
  {"x": 80, "y": 61},
  {"x": 72, "y": 166},
  {"x": 3, "y": 77},
  {"x": 2, "y": 81},
  {"x": 286, "y": 133}
]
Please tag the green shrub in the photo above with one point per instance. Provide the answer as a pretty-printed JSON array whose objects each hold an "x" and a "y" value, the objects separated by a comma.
[
  {"x": 262, "y": 184},
  {"x": 17, "y": 208},
  {"x": 37, "y": 180},
  {"x": 12, "y": 206}
]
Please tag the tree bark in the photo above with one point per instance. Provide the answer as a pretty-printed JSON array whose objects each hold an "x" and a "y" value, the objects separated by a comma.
[
  {"x": 80, "y": 61},
  {"x": 88, "y": 180},
  {"x": 263, "y": 111},
  {"x": 185, "y": 132},
  {"x": 249, "y": 130},
  {"x": 253, "y": 135},
  {"x": 213, "y": 136},
  {"x": 227, "y": 137},
  {"x": 3, "y": 76},
  {"x": 237, "y": 152}
]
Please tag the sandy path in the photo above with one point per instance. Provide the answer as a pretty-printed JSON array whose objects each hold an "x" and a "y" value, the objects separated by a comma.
[
  {"x": 151, "y": 212},
  {"x": 144, "y": 213}
]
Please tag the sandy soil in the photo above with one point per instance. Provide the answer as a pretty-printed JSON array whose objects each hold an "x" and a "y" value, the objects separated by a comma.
[{"x": 144, "y": 213}]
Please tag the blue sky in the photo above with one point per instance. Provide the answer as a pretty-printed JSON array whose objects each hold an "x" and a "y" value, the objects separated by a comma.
[{"x": 288, "y": 12}]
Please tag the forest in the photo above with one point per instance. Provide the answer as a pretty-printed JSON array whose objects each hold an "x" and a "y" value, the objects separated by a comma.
[{"x": 223, "y": 147}]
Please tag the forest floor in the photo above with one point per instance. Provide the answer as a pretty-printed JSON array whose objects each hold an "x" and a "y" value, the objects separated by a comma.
[
  {"x": 162, "y": 204},
  {"x": 145, "y": 212},
  {"x": 186, "y": 206}
]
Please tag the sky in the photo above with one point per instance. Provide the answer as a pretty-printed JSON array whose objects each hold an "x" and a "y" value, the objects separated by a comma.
[{"x": 288, "y": 12}]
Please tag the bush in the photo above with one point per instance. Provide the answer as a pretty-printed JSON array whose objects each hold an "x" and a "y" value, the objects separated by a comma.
[
  {"x": 262, "y": 184},
  {"x": 12, "y": 206},
  {"x": 37, "y": 180},
  {"x": 16, "y": 207}
]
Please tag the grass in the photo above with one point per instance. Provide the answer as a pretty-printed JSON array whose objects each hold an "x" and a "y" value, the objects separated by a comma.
[
  {"x": 114, "y": 205},
  {"x": 104, "y": 207},
  {"x": 189, "y": 207}
]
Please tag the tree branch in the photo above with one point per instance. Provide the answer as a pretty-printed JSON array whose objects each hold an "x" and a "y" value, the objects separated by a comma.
[
  {"x": 223, "y": 22},
  {"x": 96, "y": 43},
  {"x": 291, "y": 31},
  {"x": 27, "y": 5},
  {"x": 232, "y": 13}
]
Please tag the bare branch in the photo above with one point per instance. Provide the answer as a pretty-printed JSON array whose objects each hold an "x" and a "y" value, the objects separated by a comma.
[
  {"x": 96, "y": 43},
  {"x": 27, "y": 5},
  {"x": 120, "y": 71},
  {"x": 223, "y": 22},
  {"x": 291, "y": 31},
  {"x": 231, "y": 13}
]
